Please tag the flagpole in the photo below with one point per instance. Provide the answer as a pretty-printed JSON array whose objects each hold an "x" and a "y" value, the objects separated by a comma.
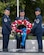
[{"x": 17, "y": 8}]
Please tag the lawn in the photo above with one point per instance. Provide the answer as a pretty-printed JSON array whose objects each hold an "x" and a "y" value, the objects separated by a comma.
[{"x": 29, "y": 37}]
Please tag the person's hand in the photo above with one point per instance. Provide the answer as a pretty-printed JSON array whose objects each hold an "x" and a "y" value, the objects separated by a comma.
[
  {"x": 12, "y": 30},
  {"x": 32, "y": 24}
]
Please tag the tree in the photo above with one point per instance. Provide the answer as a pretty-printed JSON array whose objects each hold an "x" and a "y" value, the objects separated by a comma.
[{"x": 28, "y": 5}]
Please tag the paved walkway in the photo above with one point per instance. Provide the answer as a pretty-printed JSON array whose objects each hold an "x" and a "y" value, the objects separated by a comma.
[{"x": 1, "y": 53}]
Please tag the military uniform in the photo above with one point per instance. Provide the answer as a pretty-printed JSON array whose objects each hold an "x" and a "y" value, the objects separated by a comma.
[
  {"x": 21, "y": 41},
  {"x": 37, "y": 29},
  {"x": 6, "y": 30}
]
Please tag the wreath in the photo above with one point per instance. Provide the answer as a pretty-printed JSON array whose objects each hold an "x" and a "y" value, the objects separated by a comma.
[{"x": 21, "y": 23}]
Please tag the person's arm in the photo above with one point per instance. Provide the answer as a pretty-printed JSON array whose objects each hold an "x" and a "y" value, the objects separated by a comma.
[
  {"x": 27, "y": 18},
  {"x": 8, "y": 26},
  {"x": 16, "y": 18},
  {"x": 36, "y": 22}
]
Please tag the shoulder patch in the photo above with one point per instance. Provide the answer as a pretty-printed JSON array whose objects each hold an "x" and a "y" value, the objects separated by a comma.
[
  {"x": 37, "y": 21},
  {"x": 5, "y": 19}
]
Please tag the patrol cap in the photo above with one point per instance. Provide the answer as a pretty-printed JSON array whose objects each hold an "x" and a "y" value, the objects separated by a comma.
[
  {"x": 22, "y": 10},
  {"x": 37, "y": 9},
  {"x": 8, "y": 8}
]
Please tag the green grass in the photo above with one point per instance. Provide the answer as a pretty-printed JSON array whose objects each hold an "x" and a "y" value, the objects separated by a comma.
[
  {"x": 34, "y": 37},
  {"x": 29, "y": 37}
]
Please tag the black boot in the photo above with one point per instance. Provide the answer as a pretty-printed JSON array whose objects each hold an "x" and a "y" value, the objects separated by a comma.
[
  {"x": 5, "y": 50},
  {"x": 40, "y": 50}
]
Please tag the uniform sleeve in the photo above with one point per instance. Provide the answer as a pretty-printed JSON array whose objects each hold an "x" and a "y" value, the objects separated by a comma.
[
  {"x": 7, "y": 24},
  {"x": 27, "y": 18},
  {"x": 16, "y": 18},
  {"x": 36, "y": 22}
]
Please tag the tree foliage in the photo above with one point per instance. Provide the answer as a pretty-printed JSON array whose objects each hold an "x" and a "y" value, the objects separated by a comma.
[{"x": 28, "y": 5}]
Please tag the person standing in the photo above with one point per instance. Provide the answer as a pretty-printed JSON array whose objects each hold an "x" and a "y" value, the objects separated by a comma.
[
  {"x": 37, "y": 28},
  {"x": 6, "y": 28},
  {"x": 21, "y": 41}
]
